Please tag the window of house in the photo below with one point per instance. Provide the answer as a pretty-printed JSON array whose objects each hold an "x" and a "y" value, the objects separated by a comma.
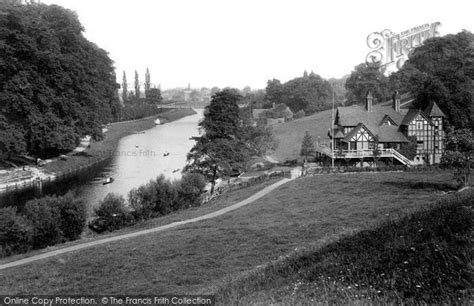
[
  {"x": 419, "y": 125},
  {"x": 419, "y": 145}
]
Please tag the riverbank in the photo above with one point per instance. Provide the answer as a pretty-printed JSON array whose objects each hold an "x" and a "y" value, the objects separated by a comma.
[{"x": 98, "y": 152}]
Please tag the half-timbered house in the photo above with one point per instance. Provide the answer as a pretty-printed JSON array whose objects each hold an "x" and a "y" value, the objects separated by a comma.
[{"x": 379, "y": 132}]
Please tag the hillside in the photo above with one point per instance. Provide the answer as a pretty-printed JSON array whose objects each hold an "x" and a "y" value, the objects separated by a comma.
[
  {"x": 290, "y": 134},
  {"x": 421, "y": 258},
  {"x": 196, "y": 258}
]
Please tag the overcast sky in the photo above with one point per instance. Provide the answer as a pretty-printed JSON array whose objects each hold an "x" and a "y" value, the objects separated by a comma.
[{"x": 247, "y": 42}]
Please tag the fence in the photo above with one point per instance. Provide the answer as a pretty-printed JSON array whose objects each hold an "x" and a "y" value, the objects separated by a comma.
[{"x": 244, "y": 184}]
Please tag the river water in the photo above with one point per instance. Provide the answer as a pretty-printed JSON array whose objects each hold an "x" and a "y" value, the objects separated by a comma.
[{"x": 141, "y": 157}]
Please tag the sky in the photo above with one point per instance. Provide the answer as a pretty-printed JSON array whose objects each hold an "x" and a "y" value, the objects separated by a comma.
[{"x": 240, "y": 43}]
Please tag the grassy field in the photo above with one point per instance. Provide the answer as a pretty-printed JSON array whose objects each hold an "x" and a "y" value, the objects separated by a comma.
[
  {"x": 425, "y": 257},
  {"x": 105, "y": 148},
  {"x": 290, "y": 134},
  {"x": 197, "y": 258}
]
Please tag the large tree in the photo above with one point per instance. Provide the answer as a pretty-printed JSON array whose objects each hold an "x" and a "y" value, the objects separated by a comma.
[
  {"x": 55, "y": 85},
  {"x": 442, "y": 70},
  {"x": 147, "y": 84},
  {"x": 367, "y": 77},
  {"x": 124, "y": 88},
  {"x": 310, "y": 93},
  {"x": 226, "y": 144},
  {"x": 137, "y": 86}
]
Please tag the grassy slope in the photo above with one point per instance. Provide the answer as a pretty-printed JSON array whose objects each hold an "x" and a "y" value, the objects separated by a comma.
[
  {"x": 305, "y": 212},
  {"x": 422, "y": 258},
  {"x": 290, "y": 134}
]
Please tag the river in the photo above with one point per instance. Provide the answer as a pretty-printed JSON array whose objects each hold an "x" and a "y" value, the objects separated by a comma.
[{"x": 141, "y": 157}]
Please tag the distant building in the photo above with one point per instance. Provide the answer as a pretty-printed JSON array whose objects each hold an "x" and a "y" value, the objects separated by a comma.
[{"x": 376, "y": 131}]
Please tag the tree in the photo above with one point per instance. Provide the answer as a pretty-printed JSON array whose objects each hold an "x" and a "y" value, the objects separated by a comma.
[
  {"x": 137, "y": 86},
  {"x": 367, "y": 77},
  {"x": 310, "y": 93},
  {"x": 124, "y": 88},
  {"x": 307, "y": 146},
  {"x": 274, "y": 92},
  {"x": 442, "y": 70},
  {"x": 220, "y": 150},
  {"x": 153, "y": 96},
  {"x": 147, "y": 82},
  {"x": 458, "y": 154},
  {"x": 55, "y": 85}
]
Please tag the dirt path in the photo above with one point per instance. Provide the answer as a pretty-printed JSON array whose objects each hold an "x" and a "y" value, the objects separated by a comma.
[{"x": 85, "y": 245}]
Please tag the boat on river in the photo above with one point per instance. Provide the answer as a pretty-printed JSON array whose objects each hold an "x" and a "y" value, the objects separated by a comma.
[{"x": 108, "y": 180}]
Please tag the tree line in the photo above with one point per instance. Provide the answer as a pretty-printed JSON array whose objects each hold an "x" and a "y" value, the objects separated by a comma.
[
  {"x": 440, "y": 70},
  {"x": 136, "y": 106},
  {"x": 55, "y": 85},
  {"x": 310, "y": 93}
]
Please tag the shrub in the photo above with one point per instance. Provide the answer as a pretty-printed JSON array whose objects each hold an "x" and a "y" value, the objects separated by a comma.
[
  {"x": 153, "y": 199},
  {"x": 15, "y": 232},
  {"x": 46, "y": 221},
  {"x": 112, "y": 214},
  {"x": 73, "y": 215},
  {"x": 300, "y": 114},
  {"x": 189, "y": 190}
]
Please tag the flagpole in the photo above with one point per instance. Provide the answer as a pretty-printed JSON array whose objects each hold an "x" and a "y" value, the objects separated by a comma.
[{"x": 332, "y": 124}]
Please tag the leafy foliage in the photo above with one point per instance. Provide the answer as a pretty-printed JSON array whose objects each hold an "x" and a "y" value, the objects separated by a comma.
[
  {"x": 15, "y": 232},
  {"x": 227, "y": 143},
  {"x": 409, "y": 149},
  {"x": 307, "y": 146},
  {"x": 442, "y": 70},
  {"x": 112, "y": 214},
  {"x": 153, "y": 199},
  {"x": 55, "y": 219},
  {"x": 55, "y": 85},
  {"x": 45, "y": 220},
  {"x": 364, "y": 78},
  {"x": 310, "y": 93},
  {"x": 459, "y": 153}
]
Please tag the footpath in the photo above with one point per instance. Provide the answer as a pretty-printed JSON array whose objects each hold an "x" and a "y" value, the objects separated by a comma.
[{"x": 90, "y": 244}]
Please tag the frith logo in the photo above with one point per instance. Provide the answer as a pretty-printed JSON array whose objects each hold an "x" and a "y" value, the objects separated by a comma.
[{"x": 390, "y": 49}]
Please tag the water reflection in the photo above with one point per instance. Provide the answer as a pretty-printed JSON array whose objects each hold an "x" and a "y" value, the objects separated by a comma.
[{"x": 142, "y": 157}]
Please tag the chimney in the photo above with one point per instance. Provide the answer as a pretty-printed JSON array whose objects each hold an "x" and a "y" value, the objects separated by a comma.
[
  {"x": 368, "y": 103},
  {"x": 396, "y": 101}
]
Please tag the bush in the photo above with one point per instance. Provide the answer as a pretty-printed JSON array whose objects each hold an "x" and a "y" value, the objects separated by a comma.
[
  {"x": 300, "y": 114},
  {"x": 189, "y": 190},
  {"x": 45, "y": 218},
  {"x": 153, "y": 199},
  {"x": 73, "y": 215},
  {"x": 111, "y": 214},
  {"x": 15, "y": 232}
]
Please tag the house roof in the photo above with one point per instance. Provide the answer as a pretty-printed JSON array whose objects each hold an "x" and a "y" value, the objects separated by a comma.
[
  {"x": 433, "y": 110},
  {"x": 373, "y": 121},
  {"x": 390, "y": 133},
  {"x": 353, "y": 115},
  {"x": 355, "y": 130}
]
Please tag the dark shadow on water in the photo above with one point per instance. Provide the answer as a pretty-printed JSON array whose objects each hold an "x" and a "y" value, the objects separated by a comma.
[{"x": 59, "y": 187}]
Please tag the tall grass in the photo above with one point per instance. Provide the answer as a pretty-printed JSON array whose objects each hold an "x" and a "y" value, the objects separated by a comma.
[{"x": 425, "y": 257}]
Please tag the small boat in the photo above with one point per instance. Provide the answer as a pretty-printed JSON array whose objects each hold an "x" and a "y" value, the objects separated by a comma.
[
  {"x": 108, "y": 180},
  {"x": 176, "y": 170},
  {"x": 166, "y": 154}
]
